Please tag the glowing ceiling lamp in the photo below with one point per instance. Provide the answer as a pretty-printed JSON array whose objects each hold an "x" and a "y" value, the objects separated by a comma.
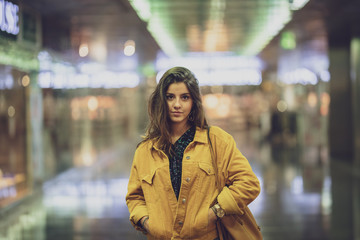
[
  {"x": 155, "y": 26},
  {"x": 215, "y": 23},
  {"x": 142, "y": 7},
  {"x": 268, "y": 27},
  {"x": 267, "y": 20},
  {"x": 162, "y": 36}
]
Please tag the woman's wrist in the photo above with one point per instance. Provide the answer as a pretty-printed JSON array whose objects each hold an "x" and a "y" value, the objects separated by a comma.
[
  {"x": 143, "y": 221},
  {"x": 219, "y": 212}
]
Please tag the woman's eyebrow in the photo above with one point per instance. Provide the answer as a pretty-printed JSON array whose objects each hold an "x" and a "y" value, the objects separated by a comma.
[{"x": 187, "y": 93}]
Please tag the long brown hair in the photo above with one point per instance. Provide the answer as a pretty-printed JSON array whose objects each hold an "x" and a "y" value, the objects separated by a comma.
[{"x": 159, "y": 125}]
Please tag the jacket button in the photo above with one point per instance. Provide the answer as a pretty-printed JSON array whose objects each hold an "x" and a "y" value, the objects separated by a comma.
[
  {"x": 209, "y": 170},
  {"x": 187, "y": 179},
  {"x": 183, "y": 200},
  {"x": 187, "y": 157},
  {"x": 180, "y": 223}
]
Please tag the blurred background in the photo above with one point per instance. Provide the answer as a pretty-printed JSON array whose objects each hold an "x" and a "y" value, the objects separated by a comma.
[{"x": 281, "y": 76}]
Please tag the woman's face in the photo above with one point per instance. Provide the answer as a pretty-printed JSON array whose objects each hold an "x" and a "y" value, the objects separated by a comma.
[{"x": 179, "y": 102}]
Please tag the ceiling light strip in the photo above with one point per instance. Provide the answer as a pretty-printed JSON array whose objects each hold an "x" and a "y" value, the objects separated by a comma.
[
  {"x": 155, "y": 26},
  {"x": 268, "y": 27}
]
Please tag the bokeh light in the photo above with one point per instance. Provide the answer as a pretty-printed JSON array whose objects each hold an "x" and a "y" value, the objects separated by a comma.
[
  {"x": 312, "y": 99},
  {"x": 93, "y": 103},
  {"x": 11, "y": 111},
  {"x": 25, "y": 80},
  {"x": 83, "y": 50},
  {"x": 282, "y": 106},
  {"x": 129, "y": 48}
]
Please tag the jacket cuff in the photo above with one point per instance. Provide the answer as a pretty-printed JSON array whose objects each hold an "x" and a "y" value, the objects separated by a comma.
[
  {"x": 228, "y": 203},
  {"x": 136, "y": 215}
]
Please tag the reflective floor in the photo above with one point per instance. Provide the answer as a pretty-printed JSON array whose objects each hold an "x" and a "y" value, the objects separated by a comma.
[{"x": 303, "y": 197}]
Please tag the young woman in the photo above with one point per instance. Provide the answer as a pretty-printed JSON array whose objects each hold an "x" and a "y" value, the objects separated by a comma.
[{"x": 172, "y": 192}]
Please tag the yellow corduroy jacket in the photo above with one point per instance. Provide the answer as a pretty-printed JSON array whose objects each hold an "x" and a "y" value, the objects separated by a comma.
[{"x": 150, "y": 191}]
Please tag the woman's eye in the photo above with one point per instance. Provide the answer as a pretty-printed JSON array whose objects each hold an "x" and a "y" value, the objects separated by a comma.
[
  {"x": 186, "y": 97},
  {"x": 169, "y": 97}
]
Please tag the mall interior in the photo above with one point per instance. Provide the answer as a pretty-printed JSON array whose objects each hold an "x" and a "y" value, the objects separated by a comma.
[{"x": 281, "y": 76}]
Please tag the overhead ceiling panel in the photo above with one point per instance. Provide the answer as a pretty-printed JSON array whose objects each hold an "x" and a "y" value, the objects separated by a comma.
[{"x": 243, "y": 27}]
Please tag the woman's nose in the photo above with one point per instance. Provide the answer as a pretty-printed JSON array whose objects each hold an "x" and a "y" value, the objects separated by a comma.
[{"x": 177, "y": 103}]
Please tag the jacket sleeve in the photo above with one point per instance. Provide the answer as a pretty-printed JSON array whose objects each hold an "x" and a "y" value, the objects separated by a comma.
[
  {"x": 241, "y": 184},
  {"x": 135, "y": 198}
]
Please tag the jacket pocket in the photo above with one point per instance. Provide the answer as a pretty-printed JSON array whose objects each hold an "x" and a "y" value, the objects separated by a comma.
[
  {"x": 206, "y": 178},
  {"x": 149, "y": 188},
  {"x": 149, "y": 178},
  {"x": 200, "y": 223},
  {"x": 156, "y": 230},
  {"x": 154, "y": 197},
  {"x": 207, "y": 168}
]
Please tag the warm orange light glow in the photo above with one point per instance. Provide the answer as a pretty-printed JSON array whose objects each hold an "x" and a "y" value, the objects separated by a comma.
[
  {"x": 325, "y": 102},
  {"x": 312, "y": 99},
  {"x": 211, "y": 101},
  {"x": 324, "y": 110},
  {"x": 194, "y": 38},
  {"x": 325, "y": 98},
  {"x": 223, "y": 111},
  {"x": 93, "y": 103},
  {"x": 224, "y": 106},
  {"x": 225, "y": 99},
  {"x": 75, "y": 103},
  {"x": 90, "y": 107},
  {"x": 25, "y": 80},
  {"x": 215, "y": 37},
  {"x": 217, "y": 105},
  {"x": 75, "y": 113}
]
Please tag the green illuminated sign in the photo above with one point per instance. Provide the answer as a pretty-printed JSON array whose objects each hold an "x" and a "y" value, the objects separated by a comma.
[{"x": 288, "y": 40}]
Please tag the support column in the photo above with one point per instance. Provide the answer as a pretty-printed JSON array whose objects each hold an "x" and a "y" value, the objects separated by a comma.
[
  {"x": 34, "y": 136},
  {"x": 341, "y": 138},
  {"x": 340, "y": 116},
  {"x": 344, "y": 50},
  {"x": 355, "y": 86}
]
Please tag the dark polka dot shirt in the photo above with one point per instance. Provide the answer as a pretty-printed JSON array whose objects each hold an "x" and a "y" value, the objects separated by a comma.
[{"x": 176, "y": 157}]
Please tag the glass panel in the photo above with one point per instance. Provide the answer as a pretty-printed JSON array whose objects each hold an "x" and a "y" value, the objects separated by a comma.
[{"x": 13, "y": 161}]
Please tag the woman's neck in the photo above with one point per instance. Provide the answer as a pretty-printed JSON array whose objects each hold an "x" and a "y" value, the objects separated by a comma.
[{"x": 177, "y": 130}]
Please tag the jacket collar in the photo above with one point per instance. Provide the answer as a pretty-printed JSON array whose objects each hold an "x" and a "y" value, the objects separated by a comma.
[{"x": 200, "y": 136}]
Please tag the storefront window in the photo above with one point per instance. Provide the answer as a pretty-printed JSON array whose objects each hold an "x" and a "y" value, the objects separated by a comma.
[{"x": 13, "y": 132}]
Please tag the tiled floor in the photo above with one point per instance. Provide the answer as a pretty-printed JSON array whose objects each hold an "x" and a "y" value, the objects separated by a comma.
[{"x": 303, "y": 198}]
